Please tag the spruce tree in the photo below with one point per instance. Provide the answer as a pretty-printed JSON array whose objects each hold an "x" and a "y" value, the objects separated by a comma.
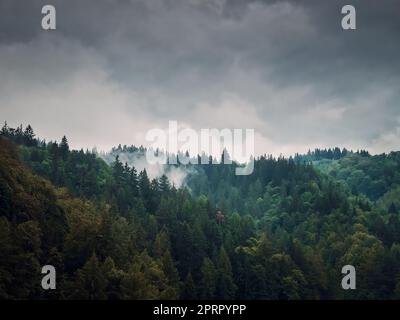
[{"x": 208, "y": 279}]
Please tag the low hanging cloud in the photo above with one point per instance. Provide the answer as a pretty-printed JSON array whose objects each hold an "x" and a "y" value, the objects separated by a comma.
[
  {"x": 115, "y": 69},
  {"x": 176, "y": 174}
]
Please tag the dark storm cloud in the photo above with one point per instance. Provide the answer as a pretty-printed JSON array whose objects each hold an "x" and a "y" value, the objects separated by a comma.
[{"x": 287, "y": 65}]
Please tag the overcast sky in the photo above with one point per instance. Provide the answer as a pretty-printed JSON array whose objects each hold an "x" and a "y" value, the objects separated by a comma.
[{"x": 114, "y": 69}]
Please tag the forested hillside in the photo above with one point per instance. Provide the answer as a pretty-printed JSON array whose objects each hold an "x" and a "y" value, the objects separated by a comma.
[
  {"x": 283, "y": 232},
  {"x": 362, "y": 173}
]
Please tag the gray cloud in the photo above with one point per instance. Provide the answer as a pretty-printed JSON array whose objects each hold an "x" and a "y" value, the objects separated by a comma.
[{"x": 285, "y": 68}]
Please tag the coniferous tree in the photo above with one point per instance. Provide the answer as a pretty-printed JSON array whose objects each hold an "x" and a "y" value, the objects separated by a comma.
[
  {"x": 29, "y": 136},
  {"x": 64, "y": 147},
  {"x": 91, "y": 282},
  {"x": 226, "y": 288},
  {"x": 189, "y": 288},
  {"x": 164, "y": 185},
  {"x": 208, "y": 280}
]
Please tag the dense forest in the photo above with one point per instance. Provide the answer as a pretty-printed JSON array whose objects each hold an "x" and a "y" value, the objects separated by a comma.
[{"x": 112, "y": 232}]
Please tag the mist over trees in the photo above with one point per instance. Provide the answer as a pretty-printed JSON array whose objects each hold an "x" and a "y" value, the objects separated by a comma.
[{"x": 112, "y": 232}]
